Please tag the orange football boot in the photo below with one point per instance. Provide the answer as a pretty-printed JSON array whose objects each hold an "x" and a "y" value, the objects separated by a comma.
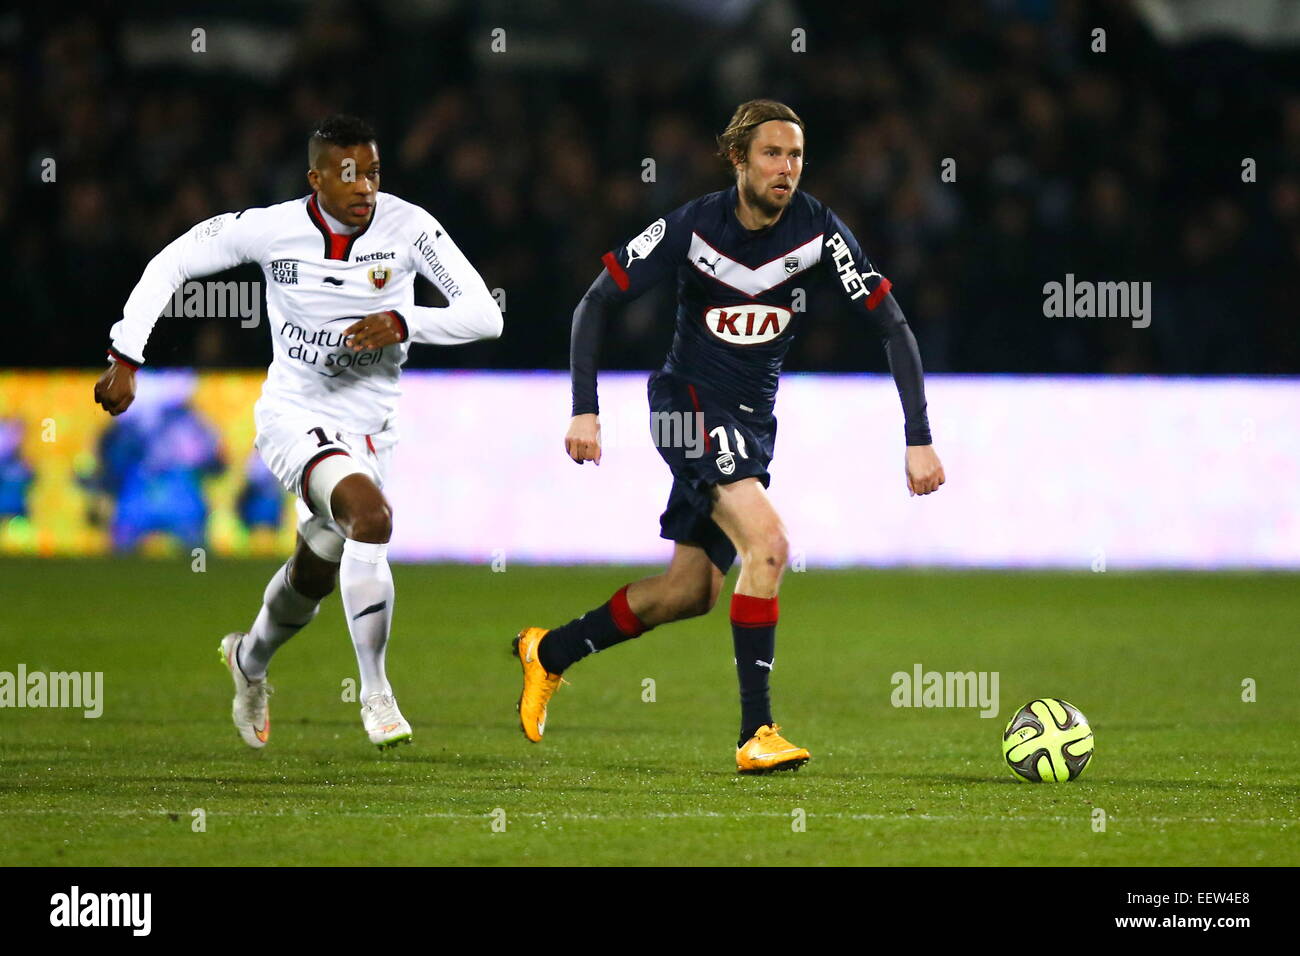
[
  {"x": 538, "y": 684},
  {"x": 768, "y": 751}
]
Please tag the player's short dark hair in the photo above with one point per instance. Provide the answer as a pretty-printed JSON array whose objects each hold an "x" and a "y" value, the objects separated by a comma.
[
  {"x": 735, "y": 139},
  {"x": 338, "y": 130}
]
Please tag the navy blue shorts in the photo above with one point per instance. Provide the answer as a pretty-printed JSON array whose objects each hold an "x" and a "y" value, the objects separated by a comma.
[{"x": 706, "y": 442}]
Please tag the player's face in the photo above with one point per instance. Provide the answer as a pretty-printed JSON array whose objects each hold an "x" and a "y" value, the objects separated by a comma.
[
  {"x": 770, "y": 174},
  {"x": 346, "y": 181}
]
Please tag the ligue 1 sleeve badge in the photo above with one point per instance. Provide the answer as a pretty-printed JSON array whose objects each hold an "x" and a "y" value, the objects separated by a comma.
[{"x": 379, "y": 276}]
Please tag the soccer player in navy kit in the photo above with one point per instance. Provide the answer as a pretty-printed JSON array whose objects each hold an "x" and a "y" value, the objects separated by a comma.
[{"x": 738, "y": 255}]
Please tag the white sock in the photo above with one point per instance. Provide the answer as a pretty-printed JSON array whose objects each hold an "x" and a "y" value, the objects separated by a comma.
[
  {"x": 284, "y": 613},
  {"x": 366, "y": 583}
]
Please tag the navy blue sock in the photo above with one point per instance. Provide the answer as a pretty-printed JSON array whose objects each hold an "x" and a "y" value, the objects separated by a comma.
[
  {"x": 753, "y": 634},
  {"x": 611, "y": 623}
]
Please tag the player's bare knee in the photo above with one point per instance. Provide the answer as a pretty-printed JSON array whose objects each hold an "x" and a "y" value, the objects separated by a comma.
[
  {"x": 770, "y": 552},
  {"x": 361, "y": 510},
  {"x": 373, "y": 524},
  {"x": 765, "y": 558}
]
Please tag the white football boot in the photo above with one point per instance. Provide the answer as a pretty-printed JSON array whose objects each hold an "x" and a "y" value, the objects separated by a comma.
[
  {"x": 384, "y": 722},
  {"x": 250, "y": 711}
]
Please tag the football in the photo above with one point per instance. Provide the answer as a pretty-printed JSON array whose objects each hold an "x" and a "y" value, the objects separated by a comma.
[{"x": 1047, "y": 741}]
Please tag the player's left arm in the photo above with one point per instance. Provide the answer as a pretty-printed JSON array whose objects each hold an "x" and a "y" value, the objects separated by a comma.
[
  {"x": 868, "y": 290},
  {"x": 471, "y": 312}
]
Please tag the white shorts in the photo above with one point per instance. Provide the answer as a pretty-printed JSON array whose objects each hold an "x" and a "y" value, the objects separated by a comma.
[{"x": 293, "y": 444}]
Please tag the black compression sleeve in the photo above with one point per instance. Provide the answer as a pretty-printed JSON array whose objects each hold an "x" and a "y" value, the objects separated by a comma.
[
  {"x": 905, "y": 362},
  {"x": 584, "y": 342}
]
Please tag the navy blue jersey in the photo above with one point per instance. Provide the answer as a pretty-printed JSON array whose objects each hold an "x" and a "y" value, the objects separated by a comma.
[{"x": 740, "y": 297}]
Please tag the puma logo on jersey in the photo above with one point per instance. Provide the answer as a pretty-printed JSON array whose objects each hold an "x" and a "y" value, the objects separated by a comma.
[
  {"x": 751, "y": 324},
  {"x": 752, "y": 281}
]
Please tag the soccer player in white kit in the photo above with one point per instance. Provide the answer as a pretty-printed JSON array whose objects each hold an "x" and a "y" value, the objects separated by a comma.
[{"x": 340, "y": 267}]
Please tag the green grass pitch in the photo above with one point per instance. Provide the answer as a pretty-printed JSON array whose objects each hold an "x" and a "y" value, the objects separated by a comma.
[{"x": 1185, "y": 770}]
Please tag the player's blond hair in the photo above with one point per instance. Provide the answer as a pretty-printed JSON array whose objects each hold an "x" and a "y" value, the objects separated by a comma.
[{"x": 735, "y": 139}]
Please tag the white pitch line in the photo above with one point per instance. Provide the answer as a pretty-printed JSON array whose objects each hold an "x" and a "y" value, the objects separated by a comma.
[{"x": 702, "y": 815}]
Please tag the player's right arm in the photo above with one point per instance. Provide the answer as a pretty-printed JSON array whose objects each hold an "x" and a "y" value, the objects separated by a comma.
[
  {"x": 630, "y": 270},
  {"x": 213, "y": 245},
  {"x": 863, "y": 286}
]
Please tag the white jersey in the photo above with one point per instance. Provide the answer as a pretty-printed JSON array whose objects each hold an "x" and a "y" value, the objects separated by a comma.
[{"x": 319, "y": 282}]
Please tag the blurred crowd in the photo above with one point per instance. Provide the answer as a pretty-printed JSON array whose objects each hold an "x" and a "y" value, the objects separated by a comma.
[{"x": 1123, "y": 165}]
